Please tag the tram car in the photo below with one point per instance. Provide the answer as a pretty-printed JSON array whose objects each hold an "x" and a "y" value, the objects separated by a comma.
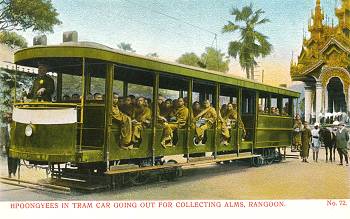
[{"x": 83, "y": 134}]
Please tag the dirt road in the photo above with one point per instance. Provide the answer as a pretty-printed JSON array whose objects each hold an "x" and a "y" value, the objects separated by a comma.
[{"x": 290, "y": 179}]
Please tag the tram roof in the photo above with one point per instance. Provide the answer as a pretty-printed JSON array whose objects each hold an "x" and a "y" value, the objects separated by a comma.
[{"x": 76, "y": 50}]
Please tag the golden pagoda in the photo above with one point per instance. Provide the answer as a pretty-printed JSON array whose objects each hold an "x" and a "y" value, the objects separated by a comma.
[{"x": 324, "y": 64}]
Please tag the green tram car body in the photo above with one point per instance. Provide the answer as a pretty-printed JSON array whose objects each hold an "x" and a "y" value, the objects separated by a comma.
[{"x": 84, "y": 133}]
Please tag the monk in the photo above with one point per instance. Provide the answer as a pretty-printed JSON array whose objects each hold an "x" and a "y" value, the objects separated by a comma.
[{"x": 305, "y": 142}]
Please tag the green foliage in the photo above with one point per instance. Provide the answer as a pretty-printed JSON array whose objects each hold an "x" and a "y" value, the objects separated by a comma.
[
  {"x": 153, "y": 54},
  {"x": 189, "y": 59},
  {"x": 8, "y": 88},
  {"x": 38, "y": 15},
  {"x": 211, "y": 59},
  {"x": 13, "y": 40},
  {"x": 252, "y": 44},
  {"x": 215, "y": 60},
  {"x": 126, "y": 47}
]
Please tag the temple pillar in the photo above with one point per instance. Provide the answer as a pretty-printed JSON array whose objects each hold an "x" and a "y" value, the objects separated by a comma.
[
  {"x": 308, "y": 103},
  {"x": 325, "y": 100},
  {"x": 318, "y": 100}
]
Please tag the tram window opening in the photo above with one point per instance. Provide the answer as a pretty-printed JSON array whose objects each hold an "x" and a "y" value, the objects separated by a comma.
[
  {"x": 224, "y": 100},
  {"x": 118, "y": 87},
  {"x": 135, "y": 91},
  {"x": 275, "y": 111},
  {"x": 97, "y": 89},
  {"x": 195, "y": 97},
  {"x": 140, "y": 90},
  {"x": 71, "y": 88},
  {"x": 264, "y": 104},
  {"x": 169, "y": 94},
  {"x": 248, "y": 105}
]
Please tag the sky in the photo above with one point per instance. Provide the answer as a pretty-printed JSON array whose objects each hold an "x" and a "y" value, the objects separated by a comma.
[{"x": 173, "y": 27}]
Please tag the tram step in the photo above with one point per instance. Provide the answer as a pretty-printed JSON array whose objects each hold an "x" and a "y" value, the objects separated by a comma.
[
  {"x": 123, "y": 167},
  {"x": 78, "y": 185},
  {"x": 196, "y": 159}
]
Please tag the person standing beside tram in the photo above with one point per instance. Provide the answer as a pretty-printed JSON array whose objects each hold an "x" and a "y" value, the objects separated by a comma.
[
  {"x": 43, "y": 86},
  {"x": 316, "y": 144},
  {"x": 12, "y": 163},
  {"x": 305, "y": 142},
  {"x": 342, "y": 138},
  {"x": 297, "y": 127}
]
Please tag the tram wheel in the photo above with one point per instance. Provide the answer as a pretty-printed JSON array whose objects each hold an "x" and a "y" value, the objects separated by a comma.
[
  {"x": 138, "y": 178},
  {"x": 257, "y": 161},
  {"x": 278, "y": 157},
  {"x": 269, "y": 160},
  {"x": 176, "y": 172}
]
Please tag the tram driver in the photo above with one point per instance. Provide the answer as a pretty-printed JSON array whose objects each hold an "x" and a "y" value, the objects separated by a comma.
[
  {"x": 204, "y": 120},
  {"x": 43, "y": 86}
]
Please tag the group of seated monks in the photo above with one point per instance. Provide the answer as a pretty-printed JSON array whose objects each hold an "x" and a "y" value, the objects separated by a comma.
[
  {"x": 135, "y": 114},
  {"x": 275, "y": 111}
]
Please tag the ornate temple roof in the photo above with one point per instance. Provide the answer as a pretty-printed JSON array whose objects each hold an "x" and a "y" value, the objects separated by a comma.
[{"x": 328, "y": 44}]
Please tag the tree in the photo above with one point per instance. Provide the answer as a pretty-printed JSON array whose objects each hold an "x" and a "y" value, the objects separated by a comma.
[
  {"x": 13, "y": 40},
  {"x": 154, "y": 54},
  {"x": 126, "y": 47},
  {"x": 252, "y": 44},
  {"x": 38, "y": 15},
  {"x": 214, "y": 60},
  {"x": 211, "y": 59},
  {"x": 189, "y": 59}
]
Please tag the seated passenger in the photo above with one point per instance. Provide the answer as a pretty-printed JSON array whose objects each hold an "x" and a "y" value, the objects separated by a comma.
[
  {"x": 127, "y": 107},
  {"x": 196, "y": 109},
  {"x": 181, "y": 116},
  {"x": 66, "y": 97},
  {"x": 166, "y": 110},
  {"x": 75, "y": 97},
  {"x": 273, "y": 110},
  {"x": 43, "y": 86},
  {"x": 98, "y": 96},
  {"x": 125, "y": 122},
  {"x": 266, "y": 110},
  {"x": 261, "y": 109},
  {"x": 223, "y": 109},
  {"x": 204, "y": 120},
  {"x": 89, "y": 96},
  {"x": 142, "y": 118},
  {"x": 148, "y": 103},
  {"x": 228, "y": 118},
  {"x": 285, "y": 110},
  {"x": 186, "y": 101},
  {"x": 277, "y": 112},
  {"x": 133, "y": 99},
  {"x": 160, "y": 100}
]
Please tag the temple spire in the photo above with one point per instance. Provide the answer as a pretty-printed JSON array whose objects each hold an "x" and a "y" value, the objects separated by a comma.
[
  {"x": 343, "y": 14},
  {"x": 316, "y": 28},
  {"x": 318, "y": 16}
]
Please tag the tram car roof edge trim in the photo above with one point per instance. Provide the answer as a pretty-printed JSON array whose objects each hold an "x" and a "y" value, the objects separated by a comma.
[{"x": 104, "y": 53}]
